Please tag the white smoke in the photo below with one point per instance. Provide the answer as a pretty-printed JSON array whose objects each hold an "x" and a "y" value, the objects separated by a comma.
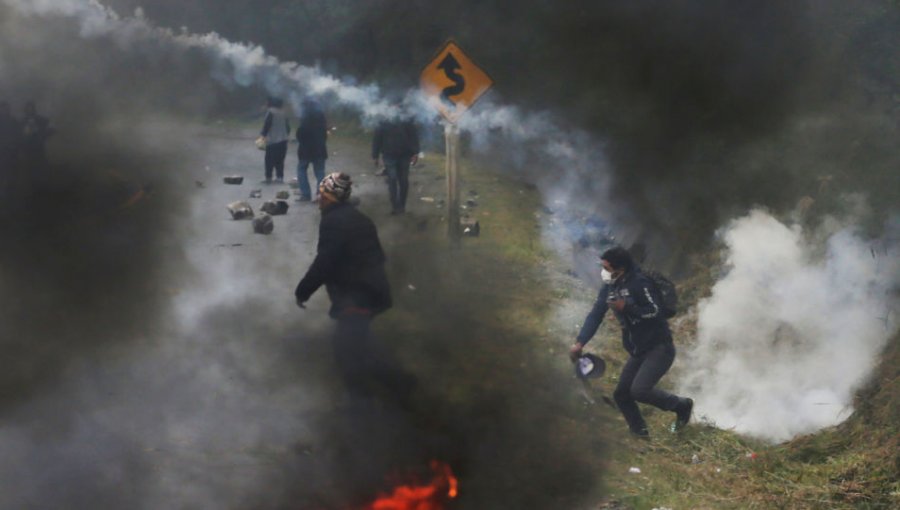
[
  {"x": 792, "y": 330},
  {"x": 556, "y": 157}
]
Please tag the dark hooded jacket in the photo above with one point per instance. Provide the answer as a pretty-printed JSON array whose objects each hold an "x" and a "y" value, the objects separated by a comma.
[
  {"x": 312, "y": 133},
  {"x": 643, "y": 325},
  {"x": 349, "y": 262},
  {"x": 395, "y": 139}
]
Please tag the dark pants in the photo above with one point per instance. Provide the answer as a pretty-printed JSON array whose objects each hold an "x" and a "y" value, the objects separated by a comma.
[
  {"x": 8, "y": 173},
  {"x": 361, "y": 361},
  {"x": 275, "y": 155},
  {"x": 397, "y": 170},
  {"x": 302, "y": 179},
  {"x": 636, "y": 384}
]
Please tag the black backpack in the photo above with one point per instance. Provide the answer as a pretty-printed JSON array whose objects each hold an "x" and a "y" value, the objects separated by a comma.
[{"x": 666, "y": 289}]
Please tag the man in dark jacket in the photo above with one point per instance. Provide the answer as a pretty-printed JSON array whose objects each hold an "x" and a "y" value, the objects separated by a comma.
[
  {"x": 645, "y": 335},
  {"x": 311, "y": 149},
  {"x": 350, "y": 263},
  {"x": 396, "y": 142}
]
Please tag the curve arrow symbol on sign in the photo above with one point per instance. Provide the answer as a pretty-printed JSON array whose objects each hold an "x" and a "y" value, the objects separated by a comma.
[{"x": 450, "y": 65}]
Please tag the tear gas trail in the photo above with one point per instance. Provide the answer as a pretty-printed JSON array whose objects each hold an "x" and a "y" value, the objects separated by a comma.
[
  {"x": 793, "y": 328},
  {"x": 148, "y": 369},
  {"x": 573, "y": 152}
]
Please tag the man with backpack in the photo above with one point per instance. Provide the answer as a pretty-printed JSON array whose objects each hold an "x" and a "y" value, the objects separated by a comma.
[{"x": 642, "y": 311}]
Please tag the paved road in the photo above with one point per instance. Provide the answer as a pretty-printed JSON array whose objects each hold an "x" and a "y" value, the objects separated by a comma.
[{"x": 228, "y": 401}]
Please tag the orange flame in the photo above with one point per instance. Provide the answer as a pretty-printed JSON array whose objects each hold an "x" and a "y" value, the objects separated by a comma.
[{"x": 442, "y": 488}]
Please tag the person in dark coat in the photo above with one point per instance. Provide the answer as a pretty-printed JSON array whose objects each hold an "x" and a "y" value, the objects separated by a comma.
[
  {"x": 275, "y": 132},
  {"x": 36, "y": 131},
  {"x": 635, "y": 301},
  {"x": 10, "y": 136},
  {"x": 311, "y": 149},
  {"x": 396, "y": 143},
  {"x": 350, "y": 264}
]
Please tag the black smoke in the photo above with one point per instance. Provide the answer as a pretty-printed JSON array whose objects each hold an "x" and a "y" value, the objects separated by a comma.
[{"x": 145, "y": 370}]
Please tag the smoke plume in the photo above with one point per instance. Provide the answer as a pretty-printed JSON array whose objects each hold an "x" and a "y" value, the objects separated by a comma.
[
  {"x": 793, "y": 328},
  {"x": 155, "y": 362}
]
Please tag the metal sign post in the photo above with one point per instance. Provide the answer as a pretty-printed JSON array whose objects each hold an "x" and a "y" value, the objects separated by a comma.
[
  {"x": 451, "y": 139},
  {"x": 453, "y": 83}
]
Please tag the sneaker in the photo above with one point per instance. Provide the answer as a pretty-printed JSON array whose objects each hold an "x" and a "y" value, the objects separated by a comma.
[
  {"x": 683, "y": 414},
  {"x": 641, "y": 433},
  {"x": 279, "y": 180}
]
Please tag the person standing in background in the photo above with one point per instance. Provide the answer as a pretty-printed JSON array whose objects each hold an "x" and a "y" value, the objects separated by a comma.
[
  {"x": 275, "y": 133},
  {"x": 396, "y": 143},
  {"x": 311, "y": 150}
]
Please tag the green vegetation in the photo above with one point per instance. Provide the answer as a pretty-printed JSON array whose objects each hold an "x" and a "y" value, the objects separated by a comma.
[{"x": 498, "y": 298}]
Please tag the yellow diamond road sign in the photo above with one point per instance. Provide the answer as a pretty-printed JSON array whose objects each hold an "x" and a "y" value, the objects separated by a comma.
[{"x": 452, "y": 82}]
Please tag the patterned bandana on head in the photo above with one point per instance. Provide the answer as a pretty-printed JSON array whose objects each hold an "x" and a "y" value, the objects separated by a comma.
[{"x": 337, "y": 186}]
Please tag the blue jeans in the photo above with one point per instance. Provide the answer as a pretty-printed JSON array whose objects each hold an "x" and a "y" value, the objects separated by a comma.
[
  {"x": 318, "y": 169},
  {"x": 397, "y": 170}
]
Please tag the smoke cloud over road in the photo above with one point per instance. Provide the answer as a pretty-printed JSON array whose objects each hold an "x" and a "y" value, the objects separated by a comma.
[{"x": 154, "y": 358}]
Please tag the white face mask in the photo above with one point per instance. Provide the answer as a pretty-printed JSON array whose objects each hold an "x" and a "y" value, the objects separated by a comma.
[{"x": 607, "y": 277}]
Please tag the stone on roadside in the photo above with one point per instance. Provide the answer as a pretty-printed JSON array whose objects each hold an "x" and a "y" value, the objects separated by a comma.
[
  {"x": 263, "y": 225},
  {"x": 257, "y": 193},
  {"x": 234, "y": 179},
  {"x": 283, "y": 195},
  {"x": 275, "y": 208},
  {"x": 240, "y": 210},
  {"x": 470, "y": 227}
]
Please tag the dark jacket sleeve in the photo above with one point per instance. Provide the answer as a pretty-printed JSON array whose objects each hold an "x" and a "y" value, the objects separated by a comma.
[
  {"x": 377, "y": 142},
  {"x": 646, "y": 301},
  {"x": 323, "y": 266},
  {"x": 594, "y": 318},
  {"x": 267, "y": 125}
]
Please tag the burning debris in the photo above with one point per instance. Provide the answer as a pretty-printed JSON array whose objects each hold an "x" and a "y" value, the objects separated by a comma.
[
  {"x": 275, "y": 208},
  {"x": 434, "y": 495},
  {"x": 233, "y": 179},
  {"x": 240, "y": 210}
]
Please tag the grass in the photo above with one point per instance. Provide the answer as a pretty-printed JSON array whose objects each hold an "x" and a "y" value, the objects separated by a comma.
[{"x": 501, "y": 294}]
